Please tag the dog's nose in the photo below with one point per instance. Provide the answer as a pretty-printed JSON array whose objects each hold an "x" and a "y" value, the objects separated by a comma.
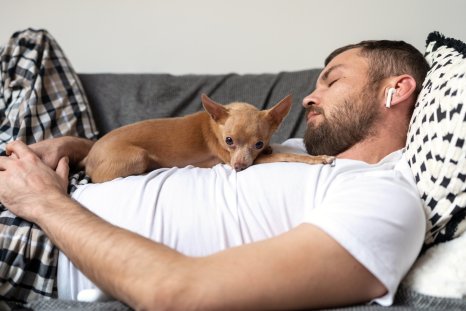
[{"x": 240, "y": 166}]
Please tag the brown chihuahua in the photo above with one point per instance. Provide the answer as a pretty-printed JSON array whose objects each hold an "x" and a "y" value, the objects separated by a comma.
[{"x": 237, "y": 134}]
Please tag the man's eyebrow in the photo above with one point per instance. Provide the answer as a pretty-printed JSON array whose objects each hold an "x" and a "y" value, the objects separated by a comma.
[{"x": 329, "y": 71}]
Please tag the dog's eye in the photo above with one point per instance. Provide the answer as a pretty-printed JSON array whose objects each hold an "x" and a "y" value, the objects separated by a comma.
[
  {"x": 259, "y": 145},
  {"x": 229, "y": 141}
]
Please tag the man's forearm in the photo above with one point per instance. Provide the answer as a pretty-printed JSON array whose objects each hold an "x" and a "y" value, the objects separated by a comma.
[{"x": 125, "y": 265}]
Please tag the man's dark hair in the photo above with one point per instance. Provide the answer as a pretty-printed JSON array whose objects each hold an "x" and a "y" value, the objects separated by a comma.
[{"x": 389, "y": 58}]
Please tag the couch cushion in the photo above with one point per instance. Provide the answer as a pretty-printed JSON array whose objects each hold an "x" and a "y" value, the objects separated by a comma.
[{"x": 119, "y": 99}]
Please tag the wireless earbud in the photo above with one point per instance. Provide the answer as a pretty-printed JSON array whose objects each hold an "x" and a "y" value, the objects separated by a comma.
[{"x": 390, "y": 93}]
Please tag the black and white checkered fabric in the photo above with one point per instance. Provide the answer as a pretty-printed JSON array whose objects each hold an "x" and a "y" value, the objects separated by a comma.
[
  {"x": 40, "y": 97},
  {"x": 436, "y": 146}
]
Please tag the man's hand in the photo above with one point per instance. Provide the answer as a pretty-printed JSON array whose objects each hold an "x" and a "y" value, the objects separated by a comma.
[
  {"x": 50, "y": 151},
  {"x": 25, "y": 180}
]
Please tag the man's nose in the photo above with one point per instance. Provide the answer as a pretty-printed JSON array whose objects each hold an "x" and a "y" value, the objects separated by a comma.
[{"x": 309, "y": 100}]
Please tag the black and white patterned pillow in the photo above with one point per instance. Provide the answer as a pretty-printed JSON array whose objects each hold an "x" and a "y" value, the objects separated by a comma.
[{"x": 435, "y": 146}]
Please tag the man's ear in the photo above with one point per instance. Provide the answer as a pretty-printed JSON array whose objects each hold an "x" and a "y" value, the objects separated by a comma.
[{"x": 404, "y": 86}]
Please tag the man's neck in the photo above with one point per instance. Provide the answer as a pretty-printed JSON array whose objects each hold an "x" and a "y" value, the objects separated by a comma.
[{"x": 373, "y": 149}]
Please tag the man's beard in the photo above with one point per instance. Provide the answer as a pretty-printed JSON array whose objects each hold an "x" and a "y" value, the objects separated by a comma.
[{"x": 347, "y": 125}]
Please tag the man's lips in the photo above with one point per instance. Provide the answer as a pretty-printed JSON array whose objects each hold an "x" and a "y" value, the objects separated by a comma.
[{"x": 312, "y": 114}]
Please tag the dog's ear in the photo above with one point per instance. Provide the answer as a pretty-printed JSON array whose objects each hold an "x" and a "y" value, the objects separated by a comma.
[
  {"x": 217, "y": 111},
  {"x": 278, "y": 112}
]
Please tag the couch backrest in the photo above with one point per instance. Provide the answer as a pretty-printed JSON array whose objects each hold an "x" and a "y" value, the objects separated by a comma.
[{"x": 119, "y": 99}]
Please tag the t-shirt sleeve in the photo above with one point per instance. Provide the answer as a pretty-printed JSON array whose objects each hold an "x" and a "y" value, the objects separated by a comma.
[{"x": 378, "y": 218}]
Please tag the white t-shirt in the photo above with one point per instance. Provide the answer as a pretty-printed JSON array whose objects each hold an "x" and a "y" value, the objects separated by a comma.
[{"x": 373, "y": 211}]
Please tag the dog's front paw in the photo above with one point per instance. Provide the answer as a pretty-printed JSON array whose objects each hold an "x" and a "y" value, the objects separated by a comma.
[{"x": 328, "y": 160}]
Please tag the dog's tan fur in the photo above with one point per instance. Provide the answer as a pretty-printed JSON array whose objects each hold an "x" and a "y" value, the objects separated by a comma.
[{"x": 198, "y": 139}]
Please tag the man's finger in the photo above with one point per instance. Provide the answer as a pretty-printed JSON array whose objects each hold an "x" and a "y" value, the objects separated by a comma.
[
  {"x": 18, "y": 148},
  {"x": 63, "y": 169}
]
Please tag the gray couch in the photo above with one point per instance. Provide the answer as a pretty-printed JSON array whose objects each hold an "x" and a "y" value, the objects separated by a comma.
[{"x": 118, "y": 99}]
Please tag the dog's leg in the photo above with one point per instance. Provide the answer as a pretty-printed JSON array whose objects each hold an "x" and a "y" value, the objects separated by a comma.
[
  {"x": 292, "y": 157},
  {"x": 131, "y": 160}
]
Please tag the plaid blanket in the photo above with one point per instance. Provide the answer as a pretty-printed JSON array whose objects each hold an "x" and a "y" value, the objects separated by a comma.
[{"x": 40, "y": 97}]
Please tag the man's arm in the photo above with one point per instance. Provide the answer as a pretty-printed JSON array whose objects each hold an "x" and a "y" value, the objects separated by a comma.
[
  {"x": 301, "y": 268},
  {"x": 50, "y": 151}
]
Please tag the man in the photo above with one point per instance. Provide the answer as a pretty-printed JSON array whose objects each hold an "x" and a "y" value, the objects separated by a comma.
[{"x": 295, "y": 236}]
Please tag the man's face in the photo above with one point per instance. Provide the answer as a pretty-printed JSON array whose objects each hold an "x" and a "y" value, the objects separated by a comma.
[{"x": 342, "y": 109}]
